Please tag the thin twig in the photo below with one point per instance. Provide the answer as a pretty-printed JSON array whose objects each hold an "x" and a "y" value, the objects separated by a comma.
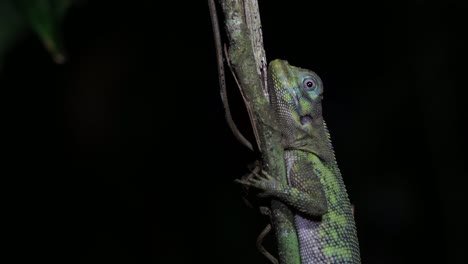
[
  {"x": 262, "y": 249},
  {"x": 222, "y": 80}
]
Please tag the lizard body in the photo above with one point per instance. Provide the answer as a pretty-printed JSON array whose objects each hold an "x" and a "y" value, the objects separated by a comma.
[{"x": 323, "y": 216}]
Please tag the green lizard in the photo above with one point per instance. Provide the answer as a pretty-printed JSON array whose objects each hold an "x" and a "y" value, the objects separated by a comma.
[{"x": 323, "y": 220}]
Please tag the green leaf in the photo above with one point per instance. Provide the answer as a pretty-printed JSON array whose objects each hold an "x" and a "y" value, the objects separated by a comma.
[{"x": 43, "y": 17}]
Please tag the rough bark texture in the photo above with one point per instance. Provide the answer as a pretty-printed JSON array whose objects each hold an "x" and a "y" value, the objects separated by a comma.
[{"x": 249, "y": 65}]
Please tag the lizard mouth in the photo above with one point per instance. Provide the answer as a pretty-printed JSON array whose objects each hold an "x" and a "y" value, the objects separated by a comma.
[{"x": 306, "y": 119}]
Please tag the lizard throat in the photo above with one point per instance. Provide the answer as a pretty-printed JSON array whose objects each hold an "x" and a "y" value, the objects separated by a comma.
[{"x": 306, "y": 119}]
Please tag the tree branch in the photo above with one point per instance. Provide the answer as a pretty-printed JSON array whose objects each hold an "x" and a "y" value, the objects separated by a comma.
[
  {"x": 221, "y": 75},
  {"x": 247, "y": 57}
]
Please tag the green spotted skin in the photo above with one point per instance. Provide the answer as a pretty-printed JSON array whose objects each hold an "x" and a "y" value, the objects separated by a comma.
[{"x": 323, "y": 219}]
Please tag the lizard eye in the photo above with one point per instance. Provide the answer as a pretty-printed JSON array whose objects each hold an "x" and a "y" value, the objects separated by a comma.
[{"x": 309, "y": 84}]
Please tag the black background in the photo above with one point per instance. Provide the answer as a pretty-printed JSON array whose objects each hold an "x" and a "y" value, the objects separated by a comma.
[{"x": 122, "y": 155}]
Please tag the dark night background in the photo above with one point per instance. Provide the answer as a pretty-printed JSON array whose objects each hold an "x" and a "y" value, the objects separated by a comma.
[{"x": 123, "y": 155}]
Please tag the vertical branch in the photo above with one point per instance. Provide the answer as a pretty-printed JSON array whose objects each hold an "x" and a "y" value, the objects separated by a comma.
[
  {"x": 247, "y": 57},
  {"x": 252, "y": 18},
  {"x": 222, "y": 80}
]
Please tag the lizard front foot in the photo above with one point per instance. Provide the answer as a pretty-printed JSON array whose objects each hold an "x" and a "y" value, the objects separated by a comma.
[
  {"x": 264, "y": 182},
  {"x": 309, "y": 203}
]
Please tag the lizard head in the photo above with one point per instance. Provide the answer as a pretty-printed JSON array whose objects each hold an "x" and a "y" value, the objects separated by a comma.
[{"x": 296, "y": 97}]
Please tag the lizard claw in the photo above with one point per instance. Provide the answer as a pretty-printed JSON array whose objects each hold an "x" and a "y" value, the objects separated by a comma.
[
  {"x": 263, "y": 181},
  {"x": 243, "y": 182},
  {"x": 267, "y": 175}
]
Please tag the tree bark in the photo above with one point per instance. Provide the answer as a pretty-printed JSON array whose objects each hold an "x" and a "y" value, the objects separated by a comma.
[{"x": 248, "y": 60}]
